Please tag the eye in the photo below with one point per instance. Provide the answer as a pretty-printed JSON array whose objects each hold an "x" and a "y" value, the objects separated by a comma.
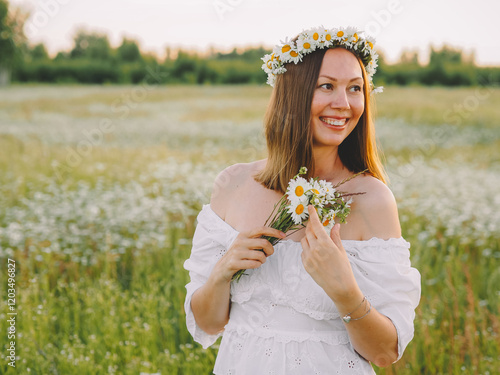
[
  {"x": 327, "y": 86},
  {"x": 355, "y": 88}
]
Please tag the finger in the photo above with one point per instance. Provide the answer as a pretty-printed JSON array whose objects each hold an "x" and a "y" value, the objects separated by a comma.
[
  {"x": 335, "y": 235},
  {"x": 250, "y": 254},
  {"x": 253, "y": 255},
  {"x": 258, "y": 244},
  {"x": 305, "y": 244},
  {"x": 314, "y": 218},
  {"x": 236, "y": 264},
  {"x": 266, "y": 231},
  {"x": 264, "y": 245},
  {"x": 311, "y": 229},
  {"x": 250, "y": 264}
]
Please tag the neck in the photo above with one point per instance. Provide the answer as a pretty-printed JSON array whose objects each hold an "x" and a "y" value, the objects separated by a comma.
[{"x": 327, "y": 164}]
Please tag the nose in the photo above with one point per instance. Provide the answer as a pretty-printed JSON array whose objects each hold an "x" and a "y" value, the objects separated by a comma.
[{"x": 339, "y": 99}]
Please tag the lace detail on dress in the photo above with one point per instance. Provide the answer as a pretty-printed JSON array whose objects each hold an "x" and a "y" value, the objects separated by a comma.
[
  {"x": 330, "y": 338},
  {"x": 251, "y": 355},
  {"x": 219, "y": 251}
]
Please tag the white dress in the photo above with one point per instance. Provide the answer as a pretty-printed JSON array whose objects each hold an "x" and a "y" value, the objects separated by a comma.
[{"x": 281, "y": 321}]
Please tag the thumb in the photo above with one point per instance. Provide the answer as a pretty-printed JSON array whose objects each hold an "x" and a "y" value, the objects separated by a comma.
[{"x": 335, "y": 235}]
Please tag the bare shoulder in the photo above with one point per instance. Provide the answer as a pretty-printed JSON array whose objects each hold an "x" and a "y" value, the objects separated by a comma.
[
  {"x": 377, "y": 209},
  {"x": 229, "y": 182}
]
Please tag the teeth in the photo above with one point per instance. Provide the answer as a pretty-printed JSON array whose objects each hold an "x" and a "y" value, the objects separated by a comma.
[{"x": 334, "y": 122}]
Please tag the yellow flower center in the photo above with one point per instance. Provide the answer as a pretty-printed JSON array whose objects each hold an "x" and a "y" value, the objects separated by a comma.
[
  {"x": 307, "y": 45},
  {"x": 299, "y": 190},
  {"x": 299, "y": 209},
  {"x": 340, "y": 34},
  {"x": 328, "y": 37},
  {"x": 326, "y": 223},
  {"x": 356, "y": 37},
  {"x": 316, "y": 36},
  {"x": 269, "y": 64},
  {"x": 370, "y": 44},
  {"x": 315, "y": 191},
  {"x": 286, "y": 48},
  {"x": 294, "y": 54}
]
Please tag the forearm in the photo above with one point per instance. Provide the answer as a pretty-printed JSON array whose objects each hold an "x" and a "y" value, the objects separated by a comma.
[
  {"x": 210, "y": 305},
  {"x": 373, "y": 336}
]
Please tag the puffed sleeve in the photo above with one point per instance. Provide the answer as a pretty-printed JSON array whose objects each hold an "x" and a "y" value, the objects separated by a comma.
[
  {"x": 211, "y": 240},
  {"x": 384, "y": 273}
]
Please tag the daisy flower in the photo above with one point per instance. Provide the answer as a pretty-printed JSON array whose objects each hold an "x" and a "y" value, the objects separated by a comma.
[
  {"x": 306, "y": 44},
  {"x": 298, "y": 210},
  {"x": 271, "y": 62},
  {"x": 268, "y": 65},
  {"x": 326, "y": 186},
  {"x": 284, "y": 50},
  {"x": 329, "y": 38},
  {"x": 304, "y": 34},
  {"x": 351, "y": 34},
  {"x": 370, "y": 42},
  {"x": 318, "y": 34},
  {"x": 370, "y": 69},
  {"x": 297, "y": 188},
  {"x": 315, "y": 186},
  {"x": 271, "y": 79},
  {"x": 339, "y": 34},
  {"x": 316, "y": 193},
  {"x": 329, "y": 221},
  {"x": 295, "y": 56}
]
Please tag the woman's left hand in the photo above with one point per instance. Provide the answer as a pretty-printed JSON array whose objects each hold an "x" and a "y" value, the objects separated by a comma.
[{"x": 325, "y": 259}]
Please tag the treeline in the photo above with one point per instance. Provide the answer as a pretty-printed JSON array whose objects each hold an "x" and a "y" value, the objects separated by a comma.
[{"x": 93, "y": 60}]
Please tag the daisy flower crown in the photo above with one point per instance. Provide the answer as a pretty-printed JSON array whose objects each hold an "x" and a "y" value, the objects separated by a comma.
[{"x": 310, "y": 40}]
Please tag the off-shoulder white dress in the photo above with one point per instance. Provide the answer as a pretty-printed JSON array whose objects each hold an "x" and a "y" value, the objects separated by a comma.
[{"x": 281, "y": 321}]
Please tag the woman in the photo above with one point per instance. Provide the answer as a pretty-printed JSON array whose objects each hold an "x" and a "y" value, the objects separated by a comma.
[{"x": 314, "y": 303}]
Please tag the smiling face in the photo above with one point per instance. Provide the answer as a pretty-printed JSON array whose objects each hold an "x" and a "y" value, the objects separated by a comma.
[{"x": 338, "y": 100}]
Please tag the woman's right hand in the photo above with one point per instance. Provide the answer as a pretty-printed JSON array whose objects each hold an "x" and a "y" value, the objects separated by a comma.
[{"x": 248, "y": 251}]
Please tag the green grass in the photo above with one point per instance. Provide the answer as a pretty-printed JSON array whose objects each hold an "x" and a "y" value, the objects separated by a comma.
[{"x": 99, "y": 252}]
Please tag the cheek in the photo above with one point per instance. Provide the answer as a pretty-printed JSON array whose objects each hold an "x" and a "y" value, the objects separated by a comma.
[
  {"x": 358, "y": 106},
  {"x": 317, "y": 105}
]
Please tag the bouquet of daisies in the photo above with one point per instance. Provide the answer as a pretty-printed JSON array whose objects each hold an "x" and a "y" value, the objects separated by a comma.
[{"x": 291, "y": 211}]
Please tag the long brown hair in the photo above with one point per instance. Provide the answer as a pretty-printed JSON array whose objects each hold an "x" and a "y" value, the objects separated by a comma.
[{"x": 288, "y": 130}]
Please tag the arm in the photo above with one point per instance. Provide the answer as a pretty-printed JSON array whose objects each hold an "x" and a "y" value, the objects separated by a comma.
[
  {"x": 374, "y": 336},
  {"x": 211, "y": 302}
]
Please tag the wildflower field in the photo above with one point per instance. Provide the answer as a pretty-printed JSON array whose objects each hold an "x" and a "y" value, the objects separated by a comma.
[{"x": 100, "y": 187}]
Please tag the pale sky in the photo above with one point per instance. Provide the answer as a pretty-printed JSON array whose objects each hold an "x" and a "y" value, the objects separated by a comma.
[{"x": 198, "y": 24}]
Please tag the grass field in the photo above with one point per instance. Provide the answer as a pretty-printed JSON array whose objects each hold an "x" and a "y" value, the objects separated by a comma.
[{"x": 100, "y": 187}]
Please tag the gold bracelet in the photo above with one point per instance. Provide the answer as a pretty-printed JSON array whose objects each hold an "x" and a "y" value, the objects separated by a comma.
[{"x": 347, "y": 317}]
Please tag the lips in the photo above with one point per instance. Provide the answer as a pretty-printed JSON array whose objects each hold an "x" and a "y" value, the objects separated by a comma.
[{"x": 334, "y": 121}]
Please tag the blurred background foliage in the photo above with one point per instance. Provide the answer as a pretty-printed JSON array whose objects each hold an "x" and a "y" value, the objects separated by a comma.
[{"x": 93, "y": 60}]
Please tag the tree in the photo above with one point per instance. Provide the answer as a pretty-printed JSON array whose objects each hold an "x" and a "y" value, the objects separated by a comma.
[
  {"x": 39, "y": 52},
  {"x": 12, "y": 39},
  {"x": 447, "y": 55},
  {"x": 92, "y": 46},
  {"x": 129, "y": 51},
  {"x": 409, "y": 57}
]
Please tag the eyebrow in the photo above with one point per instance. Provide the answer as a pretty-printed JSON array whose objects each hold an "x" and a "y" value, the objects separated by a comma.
[{"x": 335, "y": 79}]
